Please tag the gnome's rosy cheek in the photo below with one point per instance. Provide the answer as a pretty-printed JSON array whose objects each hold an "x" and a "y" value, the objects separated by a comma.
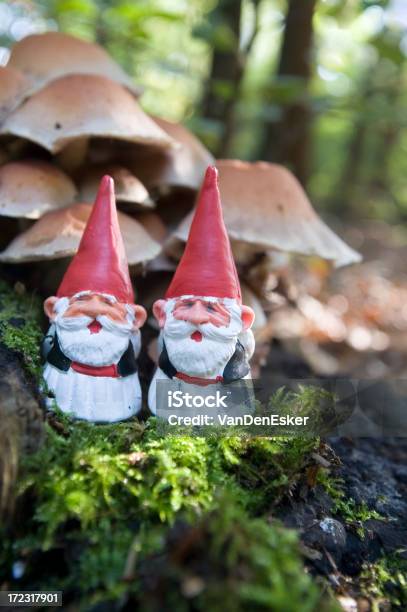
[
  {"x": 248, "y": 316},
  {"x": 159, "y": 312},
  {"x": 49, "y": 306}
]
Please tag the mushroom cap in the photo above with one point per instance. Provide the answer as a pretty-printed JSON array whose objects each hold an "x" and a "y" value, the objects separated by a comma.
[
  {"x": 265, "y": 206},
  {"x": 48, "y": 56},
  {"x": 153, "y": 224},
  {"x": 83, "y": 105},
  {"x": 58, "y": 233},
  {"x": 13, "y": 86},
  {"x": 180, "y": 167},
  {"x": 128, "y": 188},
  {"x": 155, "y": 227},
  {"x": 31, "y": 188}
]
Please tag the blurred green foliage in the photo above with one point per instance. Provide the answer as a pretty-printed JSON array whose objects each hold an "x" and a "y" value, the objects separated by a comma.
[{"x": 19, "y": 328}]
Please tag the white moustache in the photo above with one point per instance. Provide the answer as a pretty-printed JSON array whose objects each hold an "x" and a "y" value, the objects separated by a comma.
[
  {"x": 108, "y": 324},
  {"x": 178, "y": 329},
  {"x": 72, "y": 323},
  {"x": 77, "y": 323}
]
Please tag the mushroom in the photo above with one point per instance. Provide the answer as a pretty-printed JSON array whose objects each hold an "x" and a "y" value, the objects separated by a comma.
[
  {"x": 155, "y": 227},
  {"x": 128, "y": 188},
  {"x": 250, "y": 299},
  {"x": 13, "y": 85},
  {"x": 265, "y": 207},
  {"x": 83, "y": 105},
  {"x": 261, "y": 348},
  {"x": 31, "y": 188},
  {"x": 57, "y": 234},
  {"x": 45, "y": 57},
  {"x": 179, "y": 167}
]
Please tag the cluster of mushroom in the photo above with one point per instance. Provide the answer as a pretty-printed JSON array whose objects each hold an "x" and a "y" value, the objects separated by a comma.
[
  {"x": 69, "y": 115},
  {"x": 64, "y": 106}
]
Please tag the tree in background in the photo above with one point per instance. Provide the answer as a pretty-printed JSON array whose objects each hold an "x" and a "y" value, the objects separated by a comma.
[
  {"x": 376, "y": 131},
  {"x": 287, "y": 141},
  {"x": 229, "y": 59}
]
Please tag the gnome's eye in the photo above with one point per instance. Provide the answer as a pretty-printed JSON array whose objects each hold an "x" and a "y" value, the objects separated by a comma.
[
  {"x": 210, "y": 308},
  {"x": 189, "y": 304}
]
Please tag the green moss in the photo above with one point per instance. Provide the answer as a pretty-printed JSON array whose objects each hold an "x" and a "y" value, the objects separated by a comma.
[
  {"x": 127, "y": 470},
  {"x": 385, "y": 582},
  {"x": 267, "y": 467},
  {"x": 354, "y": 514},
  {"x": 119, "y": 470},
  {"x": 20, "y": 331},
  {"x": 227, "y": 561},
  {"x": 98, "y": 489}
]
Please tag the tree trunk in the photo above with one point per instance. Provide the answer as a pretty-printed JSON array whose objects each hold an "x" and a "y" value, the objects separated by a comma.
[
  {"x": 227, "y": 71},
  {"x": 287, "y": 141},
  {"x": 388, "y": 136},
  {"x": 21, "y": 424}
]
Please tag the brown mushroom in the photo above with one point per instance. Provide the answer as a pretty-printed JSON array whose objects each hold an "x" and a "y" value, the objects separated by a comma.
[
  {"x": 31, "y": 188},
  {"x": 250, "y": 299},
  {"x": 153, "y": 225},
  {"x": 128, "y": 188},
  {"x": 45, "y": 57},
  {"x": 13, "y": 86},
  {"x": 265, "y": 207},
  {"x": 179, "y": 167},
  {"x": 57, "y": 234},
  {"x": 83, "y": 105}
]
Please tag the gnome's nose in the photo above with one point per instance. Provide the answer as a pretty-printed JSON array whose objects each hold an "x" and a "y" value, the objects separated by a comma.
[
  {"x": 197, "y": 314},
  {"x": 93, "y": 307}
]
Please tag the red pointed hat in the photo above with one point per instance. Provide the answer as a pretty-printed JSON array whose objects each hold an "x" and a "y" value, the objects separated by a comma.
[
  {"x": 207, "y": 267},
  {"x": 100, "y": 265}
]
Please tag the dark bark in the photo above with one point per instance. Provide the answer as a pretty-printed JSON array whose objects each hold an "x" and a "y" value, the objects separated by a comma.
[
  {"x": 287, "y": 141},
  {"x": 352, "y": 168},
  {"x": 21, "y": 423},
  {"x": 388, "y": 137},
  {"x": 227, "y": 71}
]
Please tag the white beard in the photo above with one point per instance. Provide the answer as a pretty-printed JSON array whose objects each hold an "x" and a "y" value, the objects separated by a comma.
[
  {"x": 205, "y": 359},
  {"x": 103, "y": 348}
]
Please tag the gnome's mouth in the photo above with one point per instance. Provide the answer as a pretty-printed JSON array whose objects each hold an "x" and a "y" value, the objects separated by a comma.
[
  {"x": 94, "y": 327},
  {"x": 197, "y": 336}
]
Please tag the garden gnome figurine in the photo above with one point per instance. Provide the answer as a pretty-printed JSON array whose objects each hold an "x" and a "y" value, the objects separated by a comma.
[
  {"x": 91, "y": 347},
  {"x": 205, "y": 333}
]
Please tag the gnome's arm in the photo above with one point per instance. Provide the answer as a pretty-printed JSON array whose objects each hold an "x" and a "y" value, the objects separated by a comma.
[{"x": 48, "y": 342}]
